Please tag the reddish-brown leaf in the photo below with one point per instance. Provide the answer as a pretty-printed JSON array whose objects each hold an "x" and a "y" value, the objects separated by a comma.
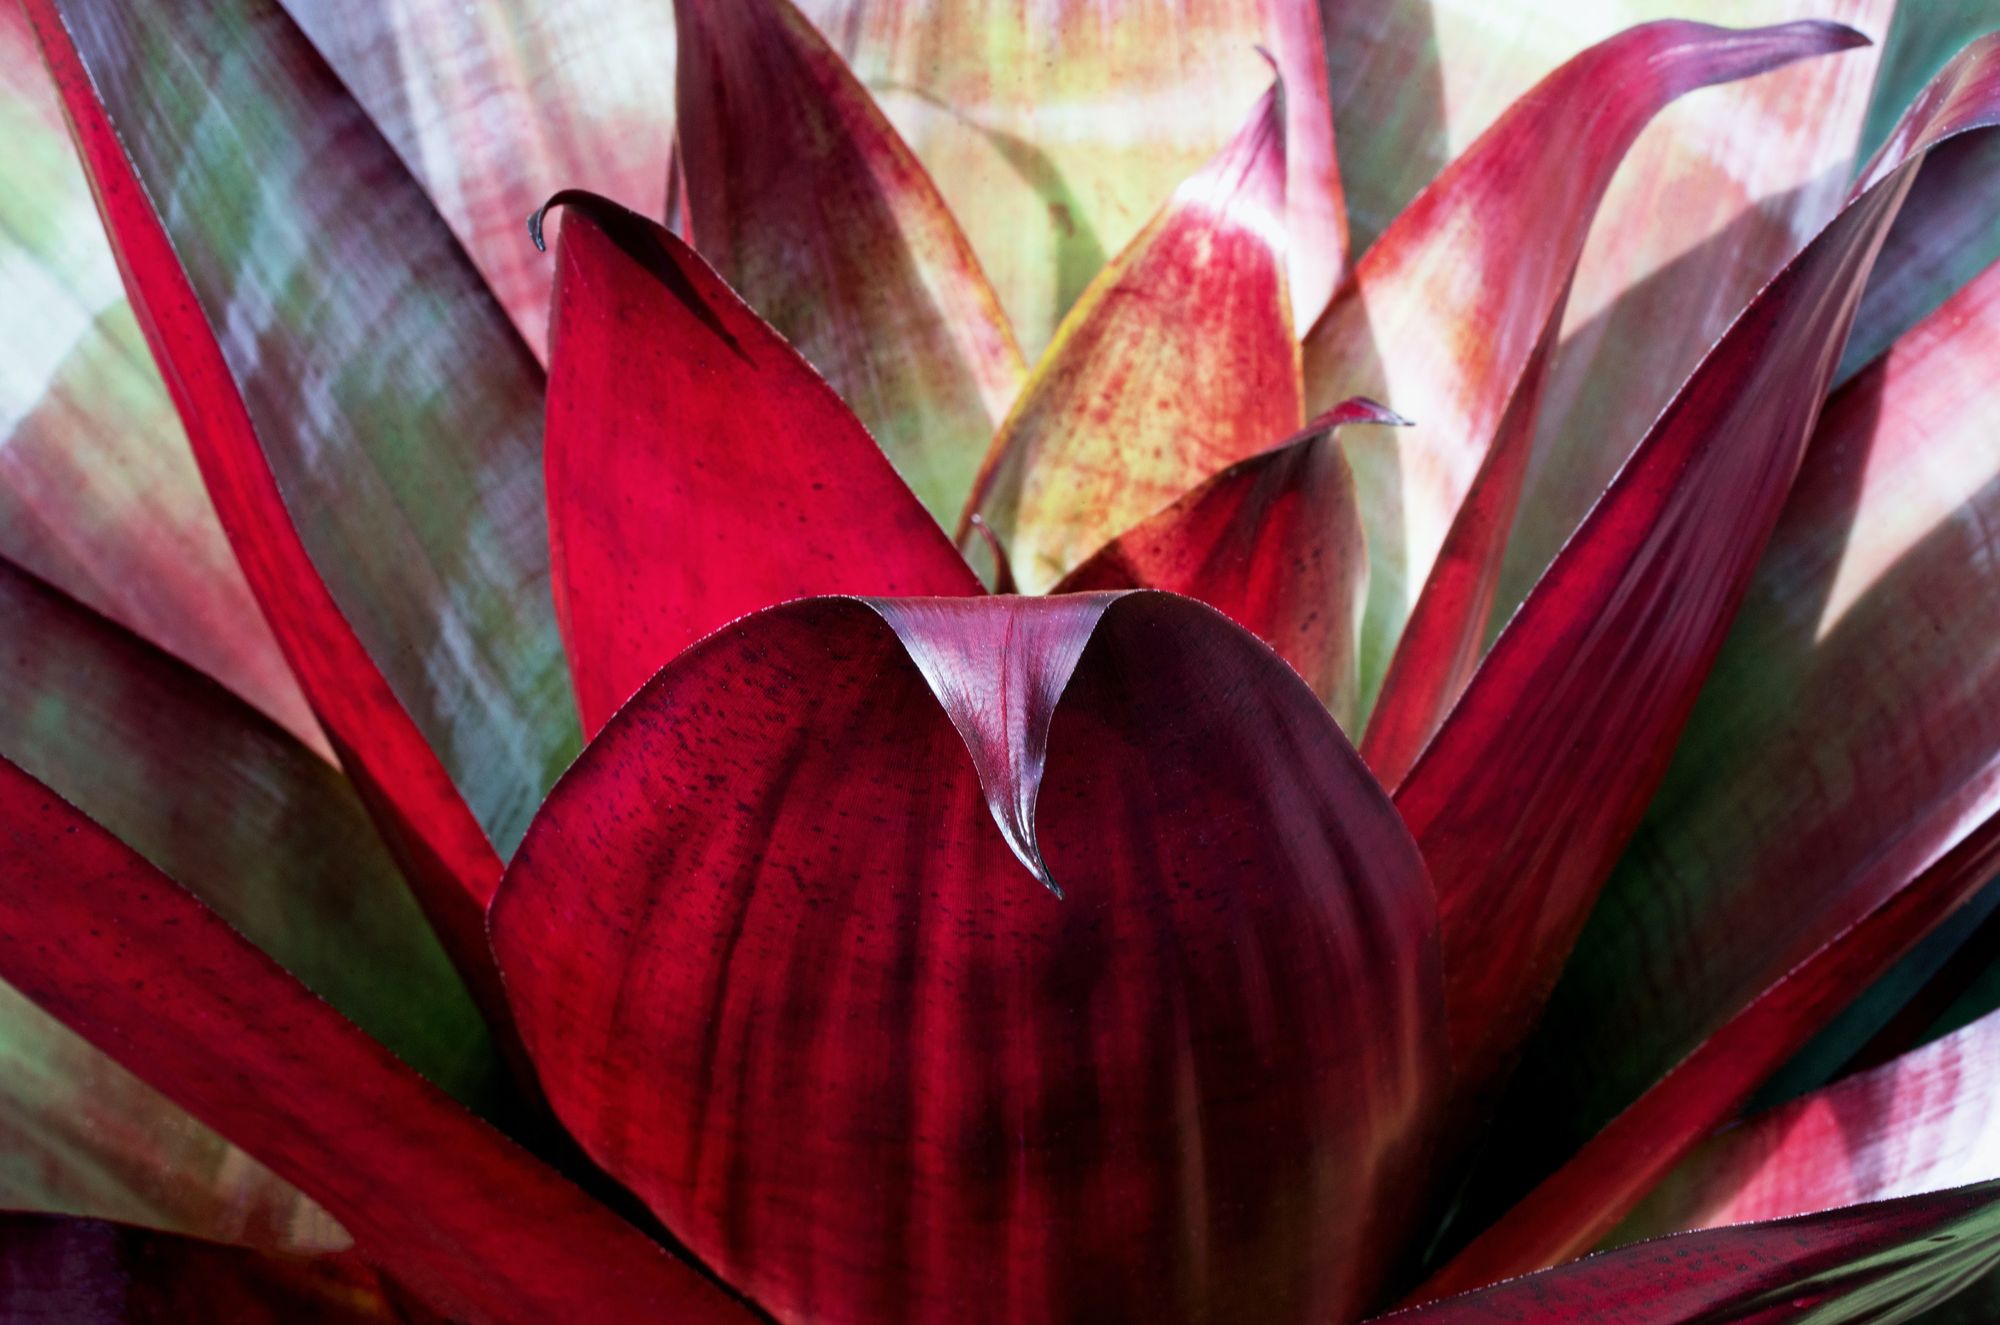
[
  {"x": 1540, "y": 775},
  {"x": 698, "y": 468},
  {"x": 1273, "y": 541},
  {"x": 785, "y": 979},
  {"x": 125, "y": 957}
]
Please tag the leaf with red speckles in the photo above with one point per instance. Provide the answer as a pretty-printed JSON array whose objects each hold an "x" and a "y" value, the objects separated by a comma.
[
  {"x": 1177, "y": 362},
  {"x": 367, "y": 422},
  {"x": 698, "y": 469},
  {"x": 1544, "y": 769},
  {"x": 1919, "y": 1123},
  {"x": 802, "y": 195},
  {"x": 1445, "y": 310},
  {"x": 785, "y": 977},
  {"x": 1274, "y": 542},
  {"x": 126, "y": 958},
  {"x": 1857, "y": 1266},
  {"x": 56, "y": 1271}
]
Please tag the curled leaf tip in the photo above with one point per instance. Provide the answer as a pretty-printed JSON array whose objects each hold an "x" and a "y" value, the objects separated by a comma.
[{"x": 1003, "y": 569}]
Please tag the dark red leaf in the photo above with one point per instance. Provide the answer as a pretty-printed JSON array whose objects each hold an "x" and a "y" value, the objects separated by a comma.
[
  {"x": 1866, "y": 1263},
  {"x": 1274, "y": 542},
  {"x": 136, "y": 965},
  {"x": 785, "y": 979},
  {"x": 698, "y": 468},
  {"x": 60, "y": 1271},
  {"x": 1542, "y": 771}
]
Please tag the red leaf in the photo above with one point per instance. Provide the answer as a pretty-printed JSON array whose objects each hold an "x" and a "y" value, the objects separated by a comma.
[
  {"x": 425, "y": 559},
  {"x": 1177, "y": 361},
  {"x": 1853, "y": 1265},
  {"x": 698, "y": 469},
  {"x": 1535, "y": 782},
  {"x": 802, "y": 195},
  {"x": 137, "y": 966},
  {"x": 1274, "y": 542},
  {"x": 57, "y": 1271},
  {"x": 784, "y": 978},
  {"x": 1444, "y": 312}
]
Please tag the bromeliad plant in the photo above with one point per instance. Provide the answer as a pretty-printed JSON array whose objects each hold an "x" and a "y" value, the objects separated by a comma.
[{"x": 897, "y": 950}]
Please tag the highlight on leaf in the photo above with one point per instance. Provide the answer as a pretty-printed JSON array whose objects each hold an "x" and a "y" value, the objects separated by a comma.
[{"x": 660, "y": 769}]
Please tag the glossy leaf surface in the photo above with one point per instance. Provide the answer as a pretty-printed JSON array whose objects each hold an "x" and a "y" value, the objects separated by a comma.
[
  {"x": 1541, "y": 774},
  {"x": 1859, "y": 1266},
  {"x": 1177, "y": 362},
  {"x": 1445, "y": 311},
  {"x": 698, "y": 468},
  {"x": 80, "y": 1135},
  {"x": 496, "y": 104},
  {"x": 219, "y": 799},
  {"x": 1274, "y": 542},
  {"x": 84, "y": 1272},
  {"x": 786, "y": 979},
  {"x": 803, "y": 197},
  {"x": 1920, "y": 1123},
  {"x": 129, "y": 960},
  {"x": 366, "y": 419},
  {"x": 1055, "y": 133},
  {"x": 1847, "y": 735},
  {"x": 98, "y": 491}
]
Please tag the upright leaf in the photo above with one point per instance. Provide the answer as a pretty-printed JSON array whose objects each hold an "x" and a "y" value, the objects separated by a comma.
[
  {"x": 1274, "y": 542},
  {"x": 1847, "y": 736},
  {"x": 365, "y": 418},
  {"x": 698, "y": 469},
  {"x": 1863, "y": 1265},
  {"x": 98, "y": 492},
  {"x": 136, "y": 965},
  {"x": 1445, "y": 311},
  {"x": 1177, "y": 362},
  {"x": 1543, "y": 770},
  {"x": 779, "y": 949},
  {"x": 804, "y": 198},
  {"x": 1055, "y": 133},
  {"x": 496, "y": 104}
]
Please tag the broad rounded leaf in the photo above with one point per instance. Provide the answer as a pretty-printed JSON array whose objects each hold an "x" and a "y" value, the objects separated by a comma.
[
  {"x": 139, "y": 967},
  {"x": 1177, "y": 362},
  {"x": 785, "y": 973},
  {"x": 698, "y": 468},
  {"x": 1274, "y": 542},
  {"x": 802, "y": 195}
]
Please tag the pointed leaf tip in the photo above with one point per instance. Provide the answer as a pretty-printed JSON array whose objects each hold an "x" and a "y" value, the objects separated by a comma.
[{"x": 998, "y": 669}]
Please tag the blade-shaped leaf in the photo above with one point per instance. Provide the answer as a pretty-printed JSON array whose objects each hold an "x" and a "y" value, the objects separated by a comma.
[
  {"x": 1177, "y": 362},
  {"x": 365, "y": 418},
  {"x": 84, "y": 1272},
  {"x": 80, "y": 1135},
  {"x": 98, "y": 492},
  {"x": 126, "y": 958},
  {"x": 1849, "y": 735},
  {"x": 1920, "y": 1123},
  {"x": 784, "y": 978},
  {"x": 1541, "y": 773},
  {"x": 804, "y": 198},
  {"x": 1495, "y": 240},
  {"x": 1864, "y": 1265},
  {"x": 1274, "y": 542},
  {"x": 698, "y": 469},
  {"x": 1055, "y": 133},
  {"x": 496, "y": 104},
  {"x": 249, "y": 820}
]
